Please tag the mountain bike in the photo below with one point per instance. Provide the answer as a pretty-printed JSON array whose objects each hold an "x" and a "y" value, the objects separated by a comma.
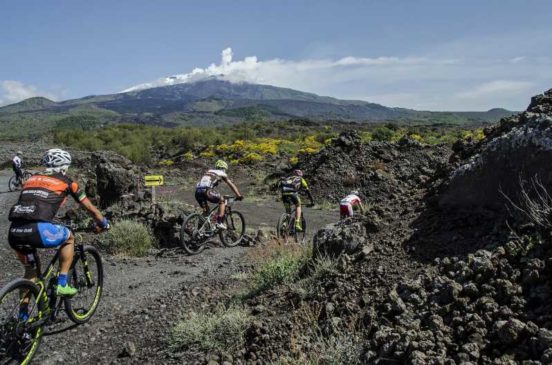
[
  {"x": 198, "y": 229},
  {"x": 14, "y": 183},
  {"x": 285, "y": 228},
  {"x": 20, "y": 337}
]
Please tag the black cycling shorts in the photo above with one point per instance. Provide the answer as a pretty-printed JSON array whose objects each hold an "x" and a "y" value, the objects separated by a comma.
[
  {"x": 23, "y": 235},
  {"x": 207, "y": 195},
  {"x": 291, "y": 198}
]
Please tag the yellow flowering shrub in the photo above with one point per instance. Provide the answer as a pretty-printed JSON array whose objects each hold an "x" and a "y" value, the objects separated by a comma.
[
  {"x": 308, "y": 150},
  {"x": 416, "y": 137},
  {"x": 478, "y": 134},
  {"x": 208, "y": 153},
  {"x": 166, "y": 162},
  {"x": 251, "y": 158},
  {"x": 188, "y": 156}
]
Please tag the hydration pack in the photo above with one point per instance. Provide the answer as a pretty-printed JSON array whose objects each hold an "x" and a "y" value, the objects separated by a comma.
[{"x": 290, "y": 184}]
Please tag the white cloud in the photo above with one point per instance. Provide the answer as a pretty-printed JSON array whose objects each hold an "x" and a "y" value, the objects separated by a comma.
[
  {"x": 277, "y": 71},
  {"x": 13, "y": 91},
  {"x": 428, "y": 83},
  {"x": 503, "y": 87}
]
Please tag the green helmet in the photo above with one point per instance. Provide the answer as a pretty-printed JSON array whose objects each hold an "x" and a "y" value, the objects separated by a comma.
[{"x": 221, "y": 165}]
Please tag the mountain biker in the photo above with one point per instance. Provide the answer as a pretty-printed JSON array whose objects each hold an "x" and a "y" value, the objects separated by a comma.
[
  {"x": 16, "y": 166},
  {"x": 290, "y": 188},
  {"x": 205, "y": 191},
  {"x": 350, "y": 203},
  {"x": 42, "y": 196}
]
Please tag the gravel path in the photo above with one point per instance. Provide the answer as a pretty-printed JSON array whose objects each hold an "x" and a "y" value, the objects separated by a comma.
[{"x": 137, "y": 290}]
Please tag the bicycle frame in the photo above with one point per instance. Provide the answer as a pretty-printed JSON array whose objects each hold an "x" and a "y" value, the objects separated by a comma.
[
  {"x": 44, "y": 282},
  {"x": 229, "y": 200}
]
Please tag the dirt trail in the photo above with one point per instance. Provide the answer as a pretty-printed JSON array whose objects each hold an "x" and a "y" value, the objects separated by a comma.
[{"x": 138, "y": 290}]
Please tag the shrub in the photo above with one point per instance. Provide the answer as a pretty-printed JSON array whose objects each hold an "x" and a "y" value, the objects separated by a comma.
[
  {"x": 322, "y": 266},
  {"x": 128, "y": 238},
  {"x": 416, "y": 137},
  {"x": 366, "y": 137},
  {"x": 251, "y": 158},
  {"x": 222, "y": 329},
  {"x": 188, "y": 156},
  {"x": 207, "y": 153},
  {"x": 382, "y": 134},
  {"x": 277, "y": 265},
  {"x": 166, "y": 163}
]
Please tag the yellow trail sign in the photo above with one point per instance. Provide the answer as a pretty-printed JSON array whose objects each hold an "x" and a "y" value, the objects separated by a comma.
[{"x": 153, "y": 180}]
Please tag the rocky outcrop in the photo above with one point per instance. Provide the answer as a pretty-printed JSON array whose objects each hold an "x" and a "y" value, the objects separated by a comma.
[
  {"x": 382, "y": 171},
  {"x": 342, "y": 237},
  {"x": 492, "y": 306},
  {"x": 518, "y": 148},
  {"x": 115, "y": 177}
]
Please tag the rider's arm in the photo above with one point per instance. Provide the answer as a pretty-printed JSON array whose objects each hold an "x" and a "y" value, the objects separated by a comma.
[
  {"x": 92, "y": 210},
  {"x": 233, "y": 187},
  {"x": 305, "y": 186},
  {"x": 83, "y": 200}
]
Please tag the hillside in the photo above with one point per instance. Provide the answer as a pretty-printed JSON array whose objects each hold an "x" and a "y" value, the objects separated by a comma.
[{"x": 216, "y": 101}]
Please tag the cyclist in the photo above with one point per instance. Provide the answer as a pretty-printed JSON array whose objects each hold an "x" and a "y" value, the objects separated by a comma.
[
  {"x": 290, "y": 188},
  {"x": 350, "y": 203},
  {"x": 205, "y": 191},
  {"x": 16, "y": 166},
  {"x": 31, "y": 226}
]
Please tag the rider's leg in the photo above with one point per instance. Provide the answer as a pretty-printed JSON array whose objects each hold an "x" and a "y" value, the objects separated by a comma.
[
  {"x": 30, "y": 274},
  {"x": 222, "y": 208},
  {"x": 66, "y": 253},
  {"x": 298, "y": 226},
  {"x": 287, "y": 207},
  {"x": 19, "y": 175}
]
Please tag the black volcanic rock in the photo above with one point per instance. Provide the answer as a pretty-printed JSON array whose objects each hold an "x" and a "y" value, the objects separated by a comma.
[{"x": 517, "y": 149}]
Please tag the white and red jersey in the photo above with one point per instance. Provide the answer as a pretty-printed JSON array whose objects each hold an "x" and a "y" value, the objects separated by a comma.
[
  {"x": 348, "y": 204},
  {"x": 350, "y": 200},
  {"x": 211, "y": 179}
]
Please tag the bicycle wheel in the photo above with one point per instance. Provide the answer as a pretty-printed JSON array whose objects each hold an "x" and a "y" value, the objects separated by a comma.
[
  {"x": 19, "y": 339},
  {"x": 282, "y": 228},
  {"x": 298, "y": 236},
  {"x": 235, "y": 228},
  {"x": 13, "y": 183},
  {"x": 87, "y": 277},
  {"x": 192, "y": 234}
]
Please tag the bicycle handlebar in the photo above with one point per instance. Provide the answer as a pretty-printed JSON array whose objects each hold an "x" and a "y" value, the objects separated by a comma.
[{"x": 78, "y": 228}]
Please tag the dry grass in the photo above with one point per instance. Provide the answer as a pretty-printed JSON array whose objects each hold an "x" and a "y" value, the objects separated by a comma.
[{"x": 222, "y": 329}]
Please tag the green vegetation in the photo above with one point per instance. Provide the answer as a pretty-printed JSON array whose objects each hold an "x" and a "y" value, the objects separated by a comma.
[
  {"x": 128, "y": 238},
  {"x": 243, "y": 143},
  {"x": 222, "y": 329},
  {"x": 276, "y": 264},
  {"x": 39, "y": 124}
]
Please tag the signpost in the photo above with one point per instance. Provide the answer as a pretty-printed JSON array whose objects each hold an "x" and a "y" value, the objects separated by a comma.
[{"x": 153, "y": 181}]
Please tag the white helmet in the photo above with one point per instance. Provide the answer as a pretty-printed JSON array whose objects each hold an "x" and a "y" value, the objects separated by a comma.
[
  {"x": 56, "y": 157},
  {"x": 354, "y": 192},
  {"x": 18, "y": 153}
]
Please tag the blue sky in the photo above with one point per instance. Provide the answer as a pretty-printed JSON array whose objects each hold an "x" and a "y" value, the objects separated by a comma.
[{"x": 422, "y": 54}]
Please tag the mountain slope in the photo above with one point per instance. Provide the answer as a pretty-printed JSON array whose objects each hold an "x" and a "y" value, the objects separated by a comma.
[{"x": 223, "y": 101}]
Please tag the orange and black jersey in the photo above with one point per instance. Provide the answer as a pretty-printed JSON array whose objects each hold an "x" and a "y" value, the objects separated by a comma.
[{"x": 43, "y": 195}]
